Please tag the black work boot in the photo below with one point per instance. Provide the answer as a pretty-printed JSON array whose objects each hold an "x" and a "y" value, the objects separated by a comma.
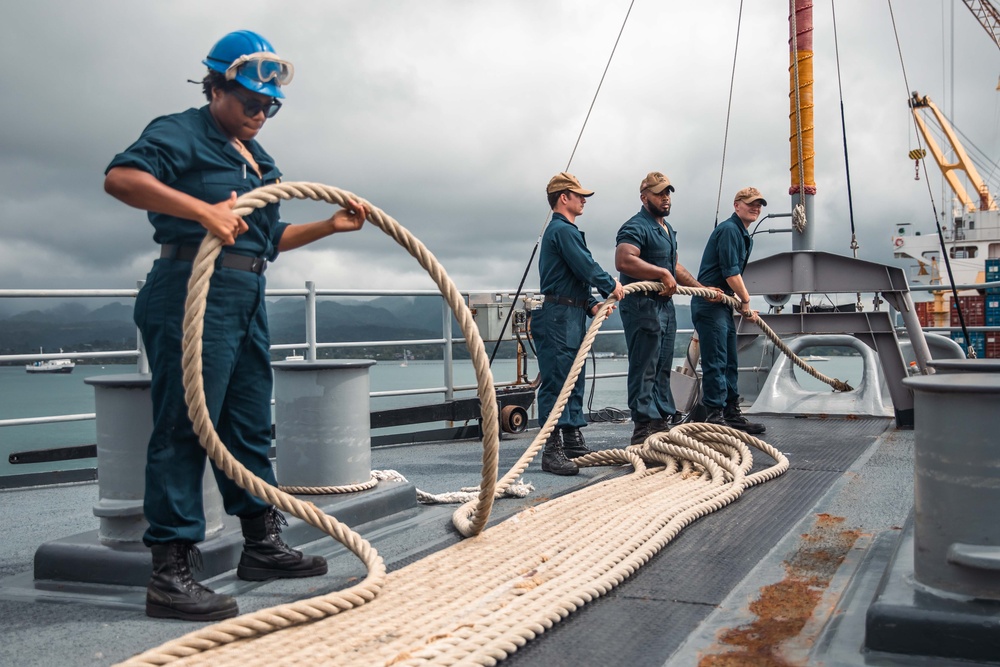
[
  {"x": 173, "y": 593},
  {"x": 735, "y": 419},
  {"x": 640, "y": 432},
  {"x": 554, "y": 458},
  {"x": 266, "y": 556},
  {"x": 574, "y": 445},
  {"x": 661, "y": 425},
  {"x": 715, "y": 416}
]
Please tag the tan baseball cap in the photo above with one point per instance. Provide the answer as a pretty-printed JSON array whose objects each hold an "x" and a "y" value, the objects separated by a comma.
[
  {"x": 656, "y": 183},
  {"x": 749, "y": 195},
  {"x": 566, "y": 181}
]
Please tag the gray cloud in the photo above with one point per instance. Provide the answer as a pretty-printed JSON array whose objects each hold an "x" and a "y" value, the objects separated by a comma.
[{"x": 451, "y": 116}]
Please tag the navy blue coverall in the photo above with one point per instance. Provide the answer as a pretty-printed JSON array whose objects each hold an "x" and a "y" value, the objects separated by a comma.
[
  {"x": 188, "y": 152},
  {"x": 566, "y": 271},
  {"x": 650, "y": 321},
  {"x": 726, "y": 255}
]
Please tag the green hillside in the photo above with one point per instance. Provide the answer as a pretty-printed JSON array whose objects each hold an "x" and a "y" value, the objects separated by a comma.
[{"x": 73, "y": 327}]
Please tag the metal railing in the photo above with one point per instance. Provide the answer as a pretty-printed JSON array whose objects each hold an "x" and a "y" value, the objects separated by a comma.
[{"x": 310, "y": 346}]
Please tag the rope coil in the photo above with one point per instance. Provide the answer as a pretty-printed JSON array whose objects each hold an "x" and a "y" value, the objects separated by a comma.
[{"x": 705, "y": 467}]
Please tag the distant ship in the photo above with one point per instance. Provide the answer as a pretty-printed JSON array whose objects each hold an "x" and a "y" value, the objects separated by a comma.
[
  {"x": 51, "y": 366},
  {"x": 972, "y": 236}
]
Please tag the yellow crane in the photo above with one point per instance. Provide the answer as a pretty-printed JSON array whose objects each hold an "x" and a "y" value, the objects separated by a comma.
[
  {"x": 926, "y": 112},
  {"x": 988, "y": 17},
  {"x": 921, "y": 106}
]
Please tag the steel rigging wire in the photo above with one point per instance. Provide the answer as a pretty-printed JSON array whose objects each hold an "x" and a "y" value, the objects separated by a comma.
[
  {"x": 606, "y": 414},
  {"x": 971, "y": 351},
  {"x": 538, "y": 241},
  {"x": 729, "y": 112}
]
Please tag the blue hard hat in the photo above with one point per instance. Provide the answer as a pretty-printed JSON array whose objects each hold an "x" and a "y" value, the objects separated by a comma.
[{"x": 261, "y": 75}]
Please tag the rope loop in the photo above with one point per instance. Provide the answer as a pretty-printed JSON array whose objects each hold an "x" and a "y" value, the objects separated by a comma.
[
  {"x": 719, "y": 454},
  {"x": 262, "y": 622}
]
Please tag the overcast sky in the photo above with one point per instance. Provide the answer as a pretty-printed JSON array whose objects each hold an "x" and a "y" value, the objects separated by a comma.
[{"x": 451, "y": 116}]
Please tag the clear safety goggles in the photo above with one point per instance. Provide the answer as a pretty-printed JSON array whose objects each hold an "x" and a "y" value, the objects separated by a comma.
[{"x": 262, "y": 67}]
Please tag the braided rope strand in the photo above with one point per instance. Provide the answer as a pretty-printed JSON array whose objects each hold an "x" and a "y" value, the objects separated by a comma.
[{"x": 678, "y": 477}]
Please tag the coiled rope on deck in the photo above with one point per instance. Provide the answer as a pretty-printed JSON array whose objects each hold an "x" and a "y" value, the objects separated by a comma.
[
  {"x": 269, "y": 620},
  {"x": 518, "y": 489},
  {"x": 474, "y": 603},
  {"x": 194, "y": 315},
  {"x": 702, "y": 468}
]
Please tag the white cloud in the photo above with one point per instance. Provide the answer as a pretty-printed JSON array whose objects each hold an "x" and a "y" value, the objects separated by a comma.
[{"x": 451, "y": 116}]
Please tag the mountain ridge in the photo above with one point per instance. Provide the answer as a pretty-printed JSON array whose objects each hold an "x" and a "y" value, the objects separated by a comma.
[{"x": 74, "y": 327}]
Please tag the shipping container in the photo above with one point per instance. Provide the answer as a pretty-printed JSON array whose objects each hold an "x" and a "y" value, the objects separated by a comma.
[
  {"x": 924, "y": 315},
  {"x": 993, "y": 274},
  {"x": 973, "y": 310},
  {"x": 978, "y": 339},
  {"x": 993, "y": 310}
]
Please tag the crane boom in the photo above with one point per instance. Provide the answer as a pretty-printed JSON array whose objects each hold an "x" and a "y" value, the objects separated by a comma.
[
  {"x": 987, "y": 15},
  {"x": 919, "y": 106}
]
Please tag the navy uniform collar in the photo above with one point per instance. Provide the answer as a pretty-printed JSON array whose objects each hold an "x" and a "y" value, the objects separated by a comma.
[
  {"x": 739, "y": 224},
  {"x": 216, "y": 134},
  {"x": 646, "y": 215}
]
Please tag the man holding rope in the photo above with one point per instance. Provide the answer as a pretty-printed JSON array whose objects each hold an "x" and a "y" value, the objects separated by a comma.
[
  {"x": 186, "y": 170},
  {"x": 722, "y": 264},
  {"x": 566, "y": 272},
  {"x": 647, "y": 250}
]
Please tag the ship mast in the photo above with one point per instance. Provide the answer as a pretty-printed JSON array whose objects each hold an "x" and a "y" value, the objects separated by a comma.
[{"x": 800, "y": 71}]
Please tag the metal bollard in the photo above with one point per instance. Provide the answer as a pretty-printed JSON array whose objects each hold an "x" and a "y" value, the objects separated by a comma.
[
  {"x": 957, "y": 484},
  {"x": 965, "y": 365},
  {"x": 124, "y": 422},
  {"x": 322, "y": 422}
]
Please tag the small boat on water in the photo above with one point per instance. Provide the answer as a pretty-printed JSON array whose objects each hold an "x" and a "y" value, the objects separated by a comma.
[{"x": 51, "y": 366}]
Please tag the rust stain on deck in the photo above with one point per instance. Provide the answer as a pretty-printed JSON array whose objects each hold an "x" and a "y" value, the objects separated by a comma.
[{"x": 784, "y": 608}]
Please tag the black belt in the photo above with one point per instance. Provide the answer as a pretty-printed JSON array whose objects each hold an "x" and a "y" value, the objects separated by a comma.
[
  {"x": 187, "y": 253},
  {"x": 656, "y": 296},
  {"x": 565, "y": 301}
]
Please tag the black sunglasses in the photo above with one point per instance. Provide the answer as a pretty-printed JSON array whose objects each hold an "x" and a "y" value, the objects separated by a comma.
[{"x": 252, "y": 107}]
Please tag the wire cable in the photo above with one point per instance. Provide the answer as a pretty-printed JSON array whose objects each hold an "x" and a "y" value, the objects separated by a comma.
[
  {"x": 971, "y": 351},
  {"x": 606, "y": 414},
  {"x": 538, "y": 241},
  {"x": 729, "y": 112},
  {"x": 843, "y": 127}
]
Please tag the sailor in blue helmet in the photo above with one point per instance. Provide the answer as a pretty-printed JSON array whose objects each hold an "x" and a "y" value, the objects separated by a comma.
[{"x": 186, "y": 170}]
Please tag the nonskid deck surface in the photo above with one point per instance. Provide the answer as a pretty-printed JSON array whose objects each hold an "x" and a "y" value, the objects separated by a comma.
[{"x": 643, "y": 621}]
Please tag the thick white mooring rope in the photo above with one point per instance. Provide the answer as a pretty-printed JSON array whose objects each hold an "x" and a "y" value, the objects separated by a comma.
[{"x": 482, "y": 605}]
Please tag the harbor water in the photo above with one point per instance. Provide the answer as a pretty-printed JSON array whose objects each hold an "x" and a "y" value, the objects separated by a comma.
[{"x": 24, "y": 395}]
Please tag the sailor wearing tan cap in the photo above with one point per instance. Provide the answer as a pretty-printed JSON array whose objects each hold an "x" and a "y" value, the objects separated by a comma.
[
  {"x": 647, "y": 250},
  {"x": 722, "y": 264},
  {"x": 566, "y": 272}
]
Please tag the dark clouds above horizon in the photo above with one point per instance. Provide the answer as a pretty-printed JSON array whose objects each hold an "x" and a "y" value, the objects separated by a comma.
[{"x": 451, "y": 117}]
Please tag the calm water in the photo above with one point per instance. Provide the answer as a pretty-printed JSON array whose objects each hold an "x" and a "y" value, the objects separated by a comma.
[{"x": 38, "y": 395}]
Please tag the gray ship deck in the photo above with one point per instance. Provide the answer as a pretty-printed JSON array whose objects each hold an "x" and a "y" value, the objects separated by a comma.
[{"x": 670, "y": 612}]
